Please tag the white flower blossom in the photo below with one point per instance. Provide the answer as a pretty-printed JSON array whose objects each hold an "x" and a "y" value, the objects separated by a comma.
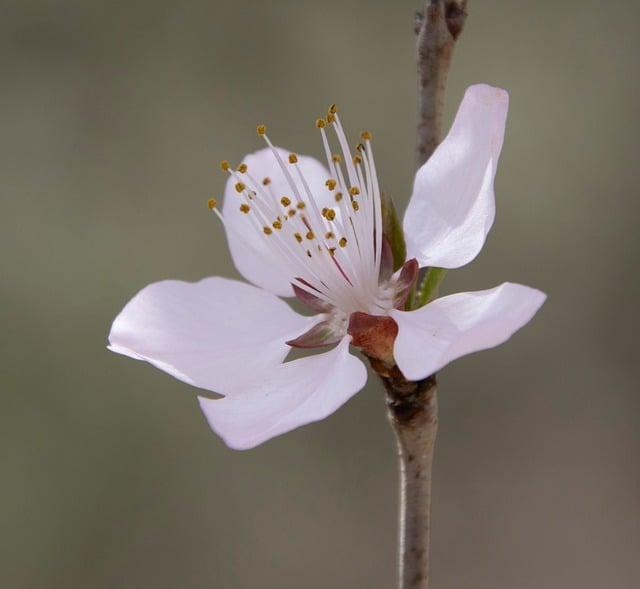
[{"x": 298, "y": 227}]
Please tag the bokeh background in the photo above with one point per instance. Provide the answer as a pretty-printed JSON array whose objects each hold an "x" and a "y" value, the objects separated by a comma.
[{"x": 114, "y": 116}]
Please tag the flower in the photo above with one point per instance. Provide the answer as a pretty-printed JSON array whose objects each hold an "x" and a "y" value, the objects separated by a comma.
[{"x": 296, "y": 227}]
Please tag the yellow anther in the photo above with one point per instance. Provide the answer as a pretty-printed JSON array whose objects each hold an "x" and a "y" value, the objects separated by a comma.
[
  {"x": 242, "y": 168},
  {"x": 357, "y": 160},
  {"x": 285, "y": 201},
  {"x": 277, "y": 225},
  {"x": 266, "y": 181},
  {"x": 366, "y": 136},
  {"x": 245, "y": 208},
  {"x": 355, "y": 205},
  {"x": 309, "y": 235},
  {"x": 332, "y": 251},
  {"x": 359, "y": 147},
  {"x": 212, "y": 203},
  {"x": 261, "y": 129},
  {"x": 267, "y": 230},
  {"x": 338, "y": 196},
  {"x": 343, "y": 242},
  {"x": 354, "y": 190},
  {"x": 331, "y": 118},
  {"x": 330, "y": 183},
  {"x": 298, "y": 237},
  {"x": 336, "y": 158},
  {"x": 301, "y": 205},
  {"x": 333, "y": 109},
  {"x": 321, "y": 123},
  {"x": 225, "y": 165},
  {"x": 292, "y": 212},
  {"x": 324, "y": 211},
  {"x": 240, "y": 187},
  {"x": 329, "y": 235},
  {"x": 331, "y": 214},
  {"x": 293, "y": 158}
]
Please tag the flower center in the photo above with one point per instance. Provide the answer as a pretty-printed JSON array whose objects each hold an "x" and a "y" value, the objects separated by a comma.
[{"x": 334, "y": 252}]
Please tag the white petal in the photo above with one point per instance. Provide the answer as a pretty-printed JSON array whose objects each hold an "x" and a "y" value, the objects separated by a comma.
[
  {"x": 251, "y": 256},
  {"x": 459, "y": 324},
  {"x": 213, "y": 334},
  {"x": 453, "y": 205},
  {"x": 288, "y": 396}
]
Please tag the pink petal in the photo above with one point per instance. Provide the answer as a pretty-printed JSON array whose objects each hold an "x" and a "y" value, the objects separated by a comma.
[
  {"x": 459, "y": 324},
  {"x": 213, "y": 334},
  {"x": 288, "y": 396},
  {"x": 453, "y": 205},
  {"x": 249, "y": 250}
]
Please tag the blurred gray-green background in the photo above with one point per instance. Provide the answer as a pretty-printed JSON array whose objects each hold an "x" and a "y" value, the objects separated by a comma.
[{"x": 113, "y": 116}]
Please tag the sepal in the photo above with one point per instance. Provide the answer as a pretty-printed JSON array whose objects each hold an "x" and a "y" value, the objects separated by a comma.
[
  {"x": 393, "y": 231},
  {"x": 321, "y": 334},
  {"x": 374, "y": 335}
]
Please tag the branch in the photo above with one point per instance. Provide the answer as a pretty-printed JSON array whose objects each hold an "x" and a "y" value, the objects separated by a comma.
[
  {"x": 413, "y": 406},
  {"x": 437, "y": 30}
]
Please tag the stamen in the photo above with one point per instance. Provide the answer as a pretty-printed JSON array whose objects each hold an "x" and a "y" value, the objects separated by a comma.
[
  {"x": 212, "y": 203},
  {"x": 225, "y": 165},
  {"x": 343, "y": 276}
]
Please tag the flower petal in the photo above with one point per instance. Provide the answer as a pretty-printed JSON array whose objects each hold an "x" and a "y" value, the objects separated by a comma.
[
  {"x": 249, "y": 249},
  {"x": 453, "y": 204},
  {"x": 288, "y": 396},
  {"x": 459, "y": 324},
  {"x": 213, "y": 334}
]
